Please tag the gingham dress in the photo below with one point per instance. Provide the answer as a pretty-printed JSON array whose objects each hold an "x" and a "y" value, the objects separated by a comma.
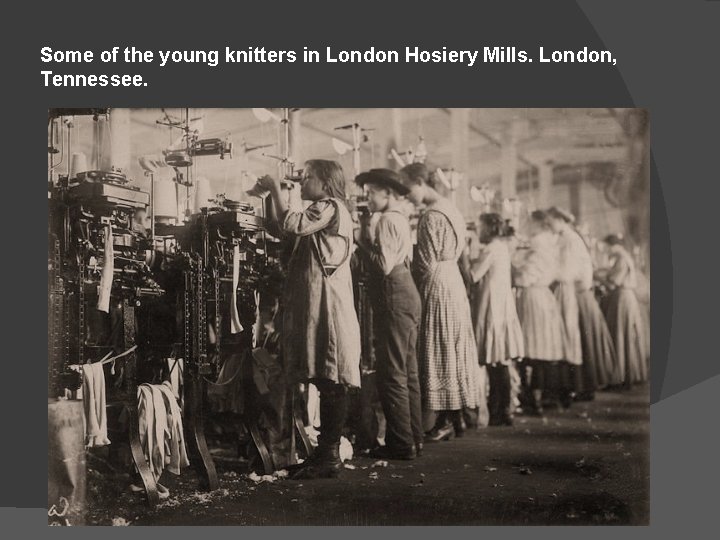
[{"x": 447, "y": 350}]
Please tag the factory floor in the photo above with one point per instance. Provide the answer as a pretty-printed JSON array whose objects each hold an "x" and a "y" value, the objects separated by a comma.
[{"x": 585, "y": 466}]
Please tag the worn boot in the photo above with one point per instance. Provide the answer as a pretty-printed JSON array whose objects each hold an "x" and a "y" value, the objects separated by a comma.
[
  {"x": 494, "y": 397},
  {"x": 458, "y": 423},
  {"x": 566, "y": 398},
  {"x": 312, "y": 458},
  {"x": 325, "y": 463},
  {"x": 505, "y": 399},
  {"x": 537, "y": 406}
]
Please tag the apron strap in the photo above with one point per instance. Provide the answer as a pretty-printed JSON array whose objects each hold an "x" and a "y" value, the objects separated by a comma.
[
  {"x": 458, "y": 248},
  {"x": 316, "y": 247}
]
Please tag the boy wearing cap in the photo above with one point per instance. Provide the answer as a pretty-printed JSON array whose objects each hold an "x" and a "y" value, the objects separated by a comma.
[{"x": 396, "y": 310}]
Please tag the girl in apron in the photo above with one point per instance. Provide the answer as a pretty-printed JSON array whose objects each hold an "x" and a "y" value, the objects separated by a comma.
[
  {"x": 571, "y": 250},
  {"x": 321, "y": 334},
  {"x": 497, "y": 328},
  {"x": 447, "y": 353},
  {"x": 624, "y": 318},
  {"x": 539, "y": 311}
]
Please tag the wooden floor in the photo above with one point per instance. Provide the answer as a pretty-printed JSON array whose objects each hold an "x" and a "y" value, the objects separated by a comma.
[{"x": 588, "y": 465}]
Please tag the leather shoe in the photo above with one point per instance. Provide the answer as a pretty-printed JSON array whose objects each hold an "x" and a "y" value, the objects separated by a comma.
[
  {"x": 324, "y": 463},
  {"x": 459, "y": 427},
  {"x": 444, "y": 433}
]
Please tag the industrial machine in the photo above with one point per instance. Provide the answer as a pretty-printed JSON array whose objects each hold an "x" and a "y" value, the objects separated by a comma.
[
  {"x": 99, "y": 268},
  {"x": 234, "y": 267},
  {"x": 180, "y": 295}
]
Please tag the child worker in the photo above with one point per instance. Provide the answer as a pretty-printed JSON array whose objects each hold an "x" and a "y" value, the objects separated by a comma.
[
  {"x": 497, "y": 328},
  {"x": 321, "y": 334},
  {"x": 396, "y": 314}
]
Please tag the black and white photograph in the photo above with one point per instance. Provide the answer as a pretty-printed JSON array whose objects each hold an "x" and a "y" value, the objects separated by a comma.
[{"x": 348, "y": 316}]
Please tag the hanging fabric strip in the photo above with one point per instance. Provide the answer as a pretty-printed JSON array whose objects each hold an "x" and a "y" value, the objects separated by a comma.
[
  {"x": 94, "y": 404},
  {"x": 107, "y": 272},
  {"x": 257, "y": 327},
  {"x": 175, "y": 367},
  {"x": 235, "y": 326}
]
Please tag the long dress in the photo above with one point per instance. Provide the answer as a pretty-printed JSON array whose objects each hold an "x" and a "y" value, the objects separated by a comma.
[
  {"x": 321, "y": 334},
  {"x": 447, "y": 353},
  {"x": 598, "y": 351},
  {"x": 597, "y": 344},
  {"x": 571, "y": 251},
  {"x": 498, "y": 334},
  {"x": 537, "y": 308},
  {"x": 625, "y": 321}
]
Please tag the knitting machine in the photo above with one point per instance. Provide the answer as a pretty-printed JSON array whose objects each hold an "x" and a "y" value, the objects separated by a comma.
[
  {"x": 220, "y": 249},
  {"x": 100, "y": 273},
  {"x": 233, "y": 278},
  {"x": 82, "y": 214}
]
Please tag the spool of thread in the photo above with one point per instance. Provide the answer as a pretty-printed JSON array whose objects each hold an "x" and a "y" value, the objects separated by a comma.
[
  {"x": 101, "y": 155},
  {"x": 111, "y": 141},
  {"x": 78, "y": 164},
  {"x": 203, "y": 194},
  {"x": 184, "y": 204},
  {"x": 119, "y": 139},
  {"x": 166, "y": 204}
]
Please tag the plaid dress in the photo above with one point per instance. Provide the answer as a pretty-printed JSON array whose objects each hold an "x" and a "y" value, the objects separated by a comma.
[{"x": 447, "y": 352}]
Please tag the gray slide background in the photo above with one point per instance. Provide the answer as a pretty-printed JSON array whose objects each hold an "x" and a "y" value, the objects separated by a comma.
[{"x": 667, "y": 61}]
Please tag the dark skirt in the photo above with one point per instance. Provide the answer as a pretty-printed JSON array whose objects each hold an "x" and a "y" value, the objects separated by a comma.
[
  {"x": 626, "y": 326},
  {"x": 598, "y": 368},
  {"x": 555, "y": 376}
]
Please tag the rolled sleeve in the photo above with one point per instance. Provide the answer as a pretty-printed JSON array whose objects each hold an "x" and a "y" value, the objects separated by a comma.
[
  {"x": 314, "y": 218},
  {"x": 387, "y": 241}
]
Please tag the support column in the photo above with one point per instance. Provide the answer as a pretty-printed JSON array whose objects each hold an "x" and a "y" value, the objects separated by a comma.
[
  {"x": 581, "y": 186},
  {"x": 508, "y": 168},
  {"x": 394, "y": 139},
  {"x": 397, "y": 126},
  {"x": 545, "y": 184},
  {"x": 295, "y": 149},
  {"x": 460, "y": 134},
  {"x": 574, "y": 194},
  {"x": 119, "y": 143}
]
